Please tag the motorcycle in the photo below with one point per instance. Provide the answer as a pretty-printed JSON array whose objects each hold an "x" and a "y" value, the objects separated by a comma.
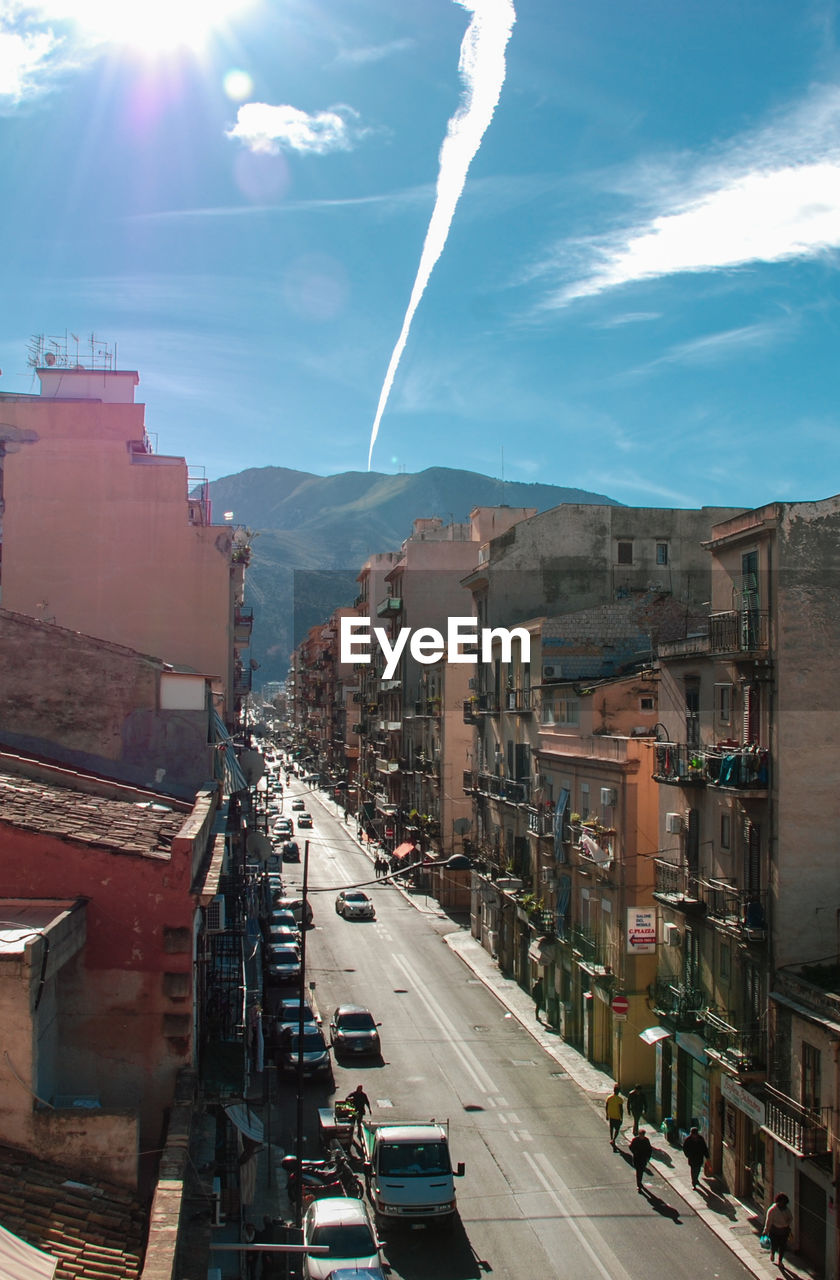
[{"x": 331, "y": 1177}]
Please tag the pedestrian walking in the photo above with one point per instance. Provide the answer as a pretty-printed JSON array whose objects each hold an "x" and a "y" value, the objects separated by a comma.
[
  {"x": 641, "y": 1151},
  {"x": 538, "y": 996},
  {"x": 636, "y": 1105},
  {"x": 614, "y": 1107},
  {"x": 360, "y": 1103},
  {"x": 695, "y": 1151},
  {"x": 777, "y": 1225}
]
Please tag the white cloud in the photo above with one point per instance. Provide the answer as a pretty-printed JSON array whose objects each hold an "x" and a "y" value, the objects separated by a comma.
[
  {"x": 26, "y": 58},
  {"x": 770, "y": 197},
  {"x": 271, "y": 129},
  {"x": 373, "y": 53}
]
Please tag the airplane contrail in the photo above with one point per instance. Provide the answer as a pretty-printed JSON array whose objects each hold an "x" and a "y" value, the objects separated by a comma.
[{"x": 482, "y": 70}]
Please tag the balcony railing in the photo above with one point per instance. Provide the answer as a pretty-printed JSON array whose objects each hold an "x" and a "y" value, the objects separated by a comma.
[
  {"x": 679, "y": 764},
  {"x": 674, "y": 887},
  {"x": 739, "y": 768},
  {"x": 390, "y": 605},
  {"x": 585, "y": 943},
  {"x": 735, "y": 907},
  {"x": 799, "y": 1128},
  {"x": 738, "y": 631},
  {"x": 489, "y": 703},
  {"x": 470, "y": 781},
  {"x": 490, "y": 784},
  {"x": 679, "y": 1004},
  {"x": 516, "y": 792},
  {"x": 743, "y": 1047},
  {"x": 518, "y": 700}
]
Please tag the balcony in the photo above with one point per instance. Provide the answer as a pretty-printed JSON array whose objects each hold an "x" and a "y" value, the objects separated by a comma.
[
  {"x": 675, "y": 888},
  {"x": 470, "y": 707},
  {"x": 738, "y": 768},
  {"x": 678, "y": 1004},
  {"x": 427, "y": 707},
  {"x": 388, "y": 607},
  {"x": 733, "y": 908},
  {"x": 489, "y": 784},
  {"x": 743, "y": 1048},
  {"x": 469, "y": 783},
  {"x": 518, "y": 701},
  {"x": 679, "y": 765},
  {"x": 798, "y": 1128},
  {"x": 488, "y": 703},
  {"x": 243, "y": 623},
  {"x": 386, "y": 766},
  {"x": 242, "y": 682},
  {"x": 743, "y": 632},
  {"x": 516, "y": 792},
  {"x": 388, "y": 686}
]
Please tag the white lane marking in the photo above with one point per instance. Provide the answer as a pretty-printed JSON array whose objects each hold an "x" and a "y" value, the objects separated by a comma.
[
  {"x": 468, "y": 1060},
  {"x": 572, "y": 1212},
  {"x": 525, "y": 1135}
]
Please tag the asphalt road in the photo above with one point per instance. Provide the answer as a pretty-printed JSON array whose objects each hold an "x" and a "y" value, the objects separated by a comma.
[{"x": 544, "y": 1195}]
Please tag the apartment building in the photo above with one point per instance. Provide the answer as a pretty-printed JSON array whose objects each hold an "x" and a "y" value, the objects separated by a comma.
[
  {"x": 747, "y": 879},
  {"x": 105, "y": 536}
]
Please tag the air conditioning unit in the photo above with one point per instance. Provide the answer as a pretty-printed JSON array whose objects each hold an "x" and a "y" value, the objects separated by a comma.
[
  {"x": 472, "y": 683},
  {"x": 673, "y": 823},
  {"x": 673, "y": 937},
  {"x": 215, "y": 920},
  {"x": 608, "y": 797},
  {"x": 552, "y": 671}
]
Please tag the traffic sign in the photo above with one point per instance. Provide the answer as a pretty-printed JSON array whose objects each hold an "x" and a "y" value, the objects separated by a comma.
[{"x": 620, "y": 1005}]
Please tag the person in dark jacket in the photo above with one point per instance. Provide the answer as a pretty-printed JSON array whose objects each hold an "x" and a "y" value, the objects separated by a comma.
[
  {"x": 641, "y": 1151},
  {"x": 636, "y": 1105},
  {"x": 695, "y": 1151}
]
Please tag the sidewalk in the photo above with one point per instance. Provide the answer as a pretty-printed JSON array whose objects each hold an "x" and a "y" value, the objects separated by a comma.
[{"x": 734, "y": 1222}]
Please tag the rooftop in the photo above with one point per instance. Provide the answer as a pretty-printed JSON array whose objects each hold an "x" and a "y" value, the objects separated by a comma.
[
  {"x": 145, "y": 827},
  {"x": 95, "y": 1230}
]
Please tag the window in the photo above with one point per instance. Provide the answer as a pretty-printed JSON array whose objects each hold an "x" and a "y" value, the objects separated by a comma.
[
  {"x": 723, "y": 703},
  {"x": 624, "y": 552},
  {"x": 811, "y": 1077},
  {"x": 585, "y": 807},
  {"x": 662, "y": 553},
  {"x": 725, "y": 831},
  {"x": 647, "y": 704},
  {"x": 692, "y": 713},
  {"x": 559, "y": 710}
]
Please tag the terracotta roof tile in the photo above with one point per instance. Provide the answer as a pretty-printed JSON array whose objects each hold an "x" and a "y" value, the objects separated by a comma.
[{"x": 95, "y": 1231}]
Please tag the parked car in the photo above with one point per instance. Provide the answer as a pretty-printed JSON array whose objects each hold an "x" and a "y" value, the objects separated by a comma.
[
  {"x": 295, "y": 905},
  {"x": 282, "y": 918},
  {"x": 316, "y": 1064},
  {"x": 304, "y": 820},
  {"x": 282, "y": 936},
  {"x": 283, "y": 828},
  {"x": 354, "y": 1032},
  {"x": 282, "y": 965},
  {"x": 291, "y": 850},
  {"x": 298, "y": 804},
  {"x": 354, "y": 904},
  {"x": 344, "y": 1225},
  {"x": 287, "y": 1012}
]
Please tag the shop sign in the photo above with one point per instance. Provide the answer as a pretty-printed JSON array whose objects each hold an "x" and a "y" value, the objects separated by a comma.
[
  {"x": 741, "y": 1098},
  {"x": 641, "y": 931}
]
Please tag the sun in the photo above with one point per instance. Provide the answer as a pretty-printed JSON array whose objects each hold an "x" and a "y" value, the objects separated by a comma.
[{"x": 153, "y": 26}]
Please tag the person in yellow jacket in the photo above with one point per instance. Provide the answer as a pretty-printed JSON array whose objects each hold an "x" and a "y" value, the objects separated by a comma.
[{"x": 614, "y": 1107}]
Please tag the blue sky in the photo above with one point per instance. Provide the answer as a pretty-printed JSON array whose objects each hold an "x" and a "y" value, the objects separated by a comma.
[{"x": 620, "y": 274}]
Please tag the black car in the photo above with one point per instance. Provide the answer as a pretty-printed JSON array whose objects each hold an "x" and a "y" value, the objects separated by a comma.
[
  {"x": 291, "y": 851},
  {"x": 353, "y": 1032}
]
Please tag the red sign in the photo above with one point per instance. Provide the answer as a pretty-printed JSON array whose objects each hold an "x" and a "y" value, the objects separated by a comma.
[{"x": 620, "y": 1004}]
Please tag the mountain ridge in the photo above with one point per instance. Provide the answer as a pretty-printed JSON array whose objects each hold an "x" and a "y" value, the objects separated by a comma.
[{"x": 324, "y": 527}]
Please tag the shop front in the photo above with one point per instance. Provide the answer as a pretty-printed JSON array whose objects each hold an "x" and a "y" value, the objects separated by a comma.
[{"x": 742, "y": 1141}]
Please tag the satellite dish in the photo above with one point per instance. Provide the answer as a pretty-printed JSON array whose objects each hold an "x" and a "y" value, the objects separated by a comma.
[
  {"x": 461, "y": 826},
  {"x": 252, "y": 764},
  {"x": 259, "y": 845}
]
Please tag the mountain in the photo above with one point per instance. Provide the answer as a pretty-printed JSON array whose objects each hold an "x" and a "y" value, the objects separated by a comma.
[{"x": 315, "y": 532}]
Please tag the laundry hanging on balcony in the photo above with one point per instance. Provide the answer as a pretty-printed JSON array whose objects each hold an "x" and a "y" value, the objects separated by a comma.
[{"x": 227, "y": 768}]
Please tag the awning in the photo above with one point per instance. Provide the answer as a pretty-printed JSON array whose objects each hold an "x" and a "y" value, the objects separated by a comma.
[
  {"x": 20, "y": 1261},
  {"x": 541, "y": 950},
  {"x": 403, "y": 850},
  {"x": 652, "y": 1035},
  {"x": 248, "y": 1124}
]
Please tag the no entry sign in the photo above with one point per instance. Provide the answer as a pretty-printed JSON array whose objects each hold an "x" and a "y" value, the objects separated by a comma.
[{"x": 620, "y": 1005}]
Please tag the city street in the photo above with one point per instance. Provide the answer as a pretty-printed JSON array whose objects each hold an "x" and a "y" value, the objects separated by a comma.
[{"x": 543, "y": 1194}]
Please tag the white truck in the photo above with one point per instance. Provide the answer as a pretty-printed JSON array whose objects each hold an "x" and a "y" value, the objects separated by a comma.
[{"x": 408, "y": 1171}]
